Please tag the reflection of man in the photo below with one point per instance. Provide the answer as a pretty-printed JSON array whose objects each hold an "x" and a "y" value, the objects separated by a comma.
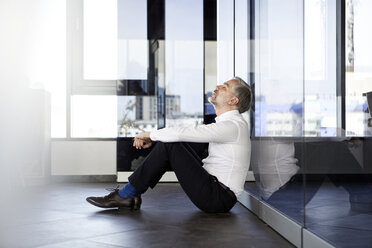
[
  {"x": 276, "y": 170},
  {"x": 273, "y": 163},
  {"x": 213, "y": 183}
]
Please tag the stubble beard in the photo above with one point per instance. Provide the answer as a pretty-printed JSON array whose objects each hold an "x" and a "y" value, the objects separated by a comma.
[{"x": 211, "y": 100}]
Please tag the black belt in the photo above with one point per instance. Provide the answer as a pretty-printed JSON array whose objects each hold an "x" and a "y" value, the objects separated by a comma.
[{"x": 228, "y": 190}]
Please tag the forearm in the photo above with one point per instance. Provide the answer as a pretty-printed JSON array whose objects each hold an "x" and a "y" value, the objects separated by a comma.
[{"x": 221, "y": 132}]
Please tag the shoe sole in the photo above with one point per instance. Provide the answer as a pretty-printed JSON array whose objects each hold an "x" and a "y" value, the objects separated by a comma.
[{"x": 135, "y": 208}]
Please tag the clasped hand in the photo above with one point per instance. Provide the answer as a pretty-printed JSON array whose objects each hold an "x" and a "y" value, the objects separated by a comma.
[{"x": 142, "y": 141}]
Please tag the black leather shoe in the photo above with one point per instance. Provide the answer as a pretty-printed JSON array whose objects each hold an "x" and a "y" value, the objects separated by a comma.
[{"x": 114, "y": 200}]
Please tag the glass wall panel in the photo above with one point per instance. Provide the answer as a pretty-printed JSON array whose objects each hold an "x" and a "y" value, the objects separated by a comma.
[
  {"x": 297, "y": 100},
  {"x": 358, "y": 66},
  {"x": 210, "y": 70},
  {"x": 279, "y": 68},
  {"x": 115, "y": 39},
  {"x": 225, "y": 40},
  {"x": 279, "y": 94},
  {"x": 132, "y": 39},
  {"x": 141, "y": 92},
  {"x": 136, "y": 114},
  {"x": 339, "y": 191},
  {"x": 242, "y": 40},
  {"x": 116, "y": 48},
  {"x": 338, "y": 170},
  {"x": 210, "y": 57},
  {"x": 320, "y": 106},
  {"x": 184, "y": 62}
]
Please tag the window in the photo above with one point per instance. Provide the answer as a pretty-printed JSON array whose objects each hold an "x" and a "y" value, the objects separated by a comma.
[
  {"x": 107, "y": 45},
  {"x": 47, "y": 49},
  {"x": 279, "y": 67},
  {"x": 184, "y": 62},
  {"x": 358, "y": 66},
  {"x": 295, "y": 68},
  {"x": 93, "y": 116},
  {"x": 320, "y": 102}
]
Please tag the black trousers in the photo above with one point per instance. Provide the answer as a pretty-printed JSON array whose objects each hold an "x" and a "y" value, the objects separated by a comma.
[{"x": 203, "y": 189}]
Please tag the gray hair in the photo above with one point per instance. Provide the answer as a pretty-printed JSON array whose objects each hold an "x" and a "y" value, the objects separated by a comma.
[{"x": 243, "y": 93}]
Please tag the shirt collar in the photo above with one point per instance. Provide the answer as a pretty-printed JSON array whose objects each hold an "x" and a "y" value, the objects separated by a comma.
[{"x": 227, "y": 115}]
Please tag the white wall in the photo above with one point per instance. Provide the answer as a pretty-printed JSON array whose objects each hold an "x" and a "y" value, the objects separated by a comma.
[{"x": 77, "y": 157}]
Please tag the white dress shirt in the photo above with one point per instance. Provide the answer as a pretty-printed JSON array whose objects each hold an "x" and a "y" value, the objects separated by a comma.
[{"x": 229, "y": 146}]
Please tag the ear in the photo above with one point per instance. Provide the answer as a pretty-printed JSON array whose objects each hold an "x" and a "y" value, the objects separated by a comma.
[{"x": 234, "y": 101}]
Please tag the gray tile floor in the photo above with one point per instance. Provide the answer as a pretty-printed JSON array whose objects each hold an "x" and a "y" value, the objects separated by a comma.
[{"x": 58, "y": 216}]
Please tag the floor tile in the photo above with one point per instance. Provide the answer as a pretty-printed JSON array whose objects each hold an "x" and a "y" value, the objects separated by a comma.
[{"x": 58, "y": 215}]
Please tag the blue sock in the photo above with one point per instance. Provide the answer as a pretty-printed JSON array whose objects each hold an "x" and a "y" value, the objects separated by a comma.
[{"x": 128, "y": 191}]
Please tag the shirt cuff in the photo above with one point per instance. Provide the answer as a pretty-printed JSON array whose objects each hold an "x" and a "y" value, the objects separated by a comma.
[{"x": 153, "y": 135}]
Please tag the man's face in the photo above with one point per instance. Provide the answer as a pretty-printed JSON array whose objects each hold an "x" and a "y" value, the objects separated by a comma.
[{"x": 223, "y": 94}]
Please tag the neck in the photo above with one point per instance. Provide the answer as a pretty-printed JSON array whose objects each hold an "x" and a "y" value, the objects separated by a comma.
[{"x": 220, "y": 111}]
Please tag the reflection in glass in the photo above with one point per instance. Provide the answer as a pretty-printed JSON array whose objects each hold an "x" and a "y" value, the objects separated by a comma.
[
  {"x": 358, "y": 66},
  {"x": 210, "y": 57},
  {"x": 225, "y": 40},
  {"x": 339, "y": 191},
  {"x": 279, "y": 111},
  {"x": 320, "y": 105},
  {"x": 242, "y": 40},
  {"x": 210, "y": 63},
  {"x": 338, "y": 174},
  {"x": 279, "y": 68},
  {"x": 273, "y": 163},
  {"x": 132, "y": 39},
  {"x": 115, "y": 39},
  {"x": 136, "y": 114},
  {"x": 140, "y": 66},
  {"x": 159, "y": 70},
  {"x": 134, "y": 87},
  {"x": 184, "y": 62}
]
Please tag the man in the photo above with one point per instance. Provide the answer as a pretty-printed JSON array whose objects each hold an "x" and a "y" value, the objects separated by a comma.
[{"x": 213, "y": 183}]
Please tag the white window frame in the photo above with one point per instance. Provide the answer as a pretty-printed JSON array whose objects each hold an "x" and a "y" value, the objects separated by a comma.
[{"x": 76, "y": 85}]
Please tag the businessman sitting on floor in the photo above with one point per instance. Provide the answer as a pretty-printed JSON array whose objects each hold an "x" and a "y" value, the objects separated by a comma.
[{"x": 213, "y": 183}]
